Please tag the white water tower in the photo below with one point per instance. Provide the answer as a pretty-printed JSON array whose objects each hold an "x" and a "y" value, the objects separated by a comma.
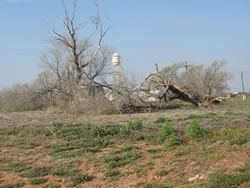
[{"x": 118, "y": 75}]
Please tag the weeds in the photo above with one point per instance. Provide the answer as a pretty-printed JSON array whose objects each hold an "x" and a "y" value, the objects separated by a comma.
[
  {"x": 38, "y": 181},
  {"x": 111, "y": 173},
  {"x": 156, "y": 186},
  {"x": 37, "y": 172},
  {"x": 122, "y": 160},
  {"x": 174, "y": 141},
  {"x": 162, "y": 173},
  {"x": 162, "y": 120},
  {"x": 224, "y": 180},
  {"x": 167, "y": 130},
  {"x": 80, "y": 178},
  {"x": 19, "y": 183},
  {"x": 154, "y": 151},
  {"x": 196, "y": 132},
  {"x": 18, "y": 167}
]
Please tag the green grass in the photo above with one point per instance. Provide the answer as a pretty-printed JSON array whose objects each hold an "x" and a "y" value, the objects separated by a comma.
[
  {"x": 38, "y": 181},
  {"x": 196, "y": 132},
  {"x": 162, "y": 120},
  {"x": 152, "y": 151},
  {"x": 19, "y": 183},
  {"x": 224, "y": 180},
  {"x": 111, "y": 173},
  {"x": 64, "y": 172},
  {"x": 161, "y": 173},
  {"x": 174, "y": 141},
  {"x": 37, "y": 172},
  {"x": 80, "y": 178},
  {"x": 121, "y": 150},
  {"x": 183, "y": 152},
  {"x": 19, "y": 167},
  {"x": 149, "y": 185},
  {"x": 120, "y": 160}
]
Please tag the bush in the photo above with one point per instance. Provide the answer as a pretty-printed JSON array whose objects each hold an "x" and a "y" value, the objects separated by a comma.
[
  {"x": 80, "y": 178},
  {"x": 224, "y": 180},
  {"x": 174, "y": 141},
  {"x": 38, "y": 181},
  {"x": 37, "y": 172},
  {"x": 131, "y": 125},
  {"x": 167, "y": 130},
  {"x": 196, "y": 132},
  {"x": 162, "y": 173},
  {"x": 162, "y": 120}
]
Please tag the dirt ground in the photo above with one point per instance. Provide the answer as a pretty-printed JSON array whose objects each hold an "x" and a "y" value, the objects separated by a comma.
[{"x": 188, "y": 165}]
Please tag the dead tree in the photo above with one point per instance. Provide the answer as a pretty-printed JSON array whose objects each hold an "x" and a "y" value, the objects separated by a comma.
[{"x": 76, "y": 61}]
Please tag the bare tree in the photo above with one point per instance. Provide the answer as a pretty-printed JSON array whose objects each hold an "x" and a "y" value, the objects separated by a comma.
[{"x": 77, "y": 63}]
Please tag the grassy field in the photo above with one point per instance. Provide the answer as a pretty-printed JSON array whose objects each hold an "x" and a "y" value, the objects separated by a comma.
[{"x": 175, "y": 148}]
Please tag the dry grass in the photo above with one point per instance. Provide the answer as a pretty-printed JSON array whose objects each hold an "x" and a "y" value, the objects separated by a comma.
[{"x": 35, "y": 150}]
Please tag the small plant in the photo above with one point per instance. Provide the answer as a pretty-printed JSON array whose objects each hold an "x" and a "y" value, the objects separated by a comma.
[
  {"x": 37, "y": 172},
  {"x": 239, "y": 140},
  {"x": 182, "y": 153},
  {"x": 131, "y": 125},
  {"x": 64, "y": 172},
  {"x": 242, "y": 170},
  {"x": 106, "y": 130},
  {"x": 167, "y": 130},
  {"x": 80, "y": 178},
  {"x": 162, "y": 173},
  {"x": 38, "y": 181},
  {"x": 154, "y": 150},
  {"x": 224, "y": 180},
  {"x": 111, "y": 173},
  {"x": 122, "y": 160},
  {"x": 195, "y": 131},
  {"x": 156, "y": 186},
  {"x": 235, "y": 136},
  {"x": 162, "y": 120},
  {"x": 174, "y": 141},
  {"x": 18, "y": 167},
  {"x": 19, "y": 183},
  {"x": 48, "y": 133}
]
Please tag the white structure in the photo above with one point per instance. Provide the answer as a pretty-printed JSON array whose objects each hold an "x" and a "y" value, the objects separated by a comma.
[
  {"x": 118, "y": 74},
  {"x": 116, "y": 60}
]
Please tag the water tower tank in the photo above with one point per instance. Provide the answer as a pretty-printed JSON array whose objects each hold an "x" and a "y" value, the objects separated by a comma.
[{"x": 116, "y": 60}]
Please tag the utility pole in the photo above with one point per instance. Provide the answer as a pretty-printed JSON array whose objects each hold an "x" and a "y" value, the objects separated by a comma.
[
  {"x": 242, "y": 82},
  {"x": 244, "y": 96},
  {"x": 186, "y": 65}
]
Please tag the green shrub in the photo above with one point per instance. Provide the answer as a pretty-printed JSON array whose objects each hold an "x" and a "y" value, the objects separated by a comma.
[
  {"x": 149, "y": 185},
  {"x": 131, "y": 125},
  {"x": 37, "y": 172},
  {"x": 196, "y": 132},
  {"x": 80, "y": 178},
  {"x": 18, "y": 167},
  {"x": 235, "y": 136},
  {"x": 122, "y": 160},
  {"x": 224, "y": 180},
  {"x": 154, "y": 150},
  {"x": 19, "y": 183},
  {"x": 167, "y": 130},
  {"x": 64, "y": 172},
  {"x": 162, "y": 173},
  {"x": 106, "y": 130},
  {"x": 162, "y": 120},
  {"x": 174, "y": 141},
  {"x": 111, "y": 173},
  {"x": 38, "y": 181},
  {"x": 239, "y": 141}
]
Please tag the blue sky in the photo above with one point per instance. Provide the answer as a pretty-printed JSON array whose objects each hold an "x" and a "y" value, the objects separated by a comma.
[{"x": 144, "y": 32}]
